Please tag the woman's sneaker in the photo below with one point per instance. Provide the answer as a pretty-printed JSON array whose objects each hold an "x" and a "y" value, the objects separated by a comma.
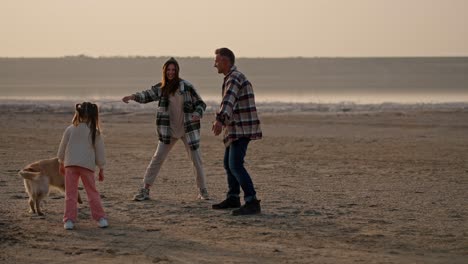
[
  {"x": 142, "y": 195},
  {"x": 203, "y": 194},
  {"x": 103, "y": 223},
  {"x": 68, "y": 225}
]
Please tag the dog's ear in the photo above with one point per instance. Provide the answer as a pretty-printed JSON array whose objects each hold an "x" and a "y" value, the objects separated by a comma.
[
  {"x": 35, "y": 167},
  {"x": 29, "y": 175}
]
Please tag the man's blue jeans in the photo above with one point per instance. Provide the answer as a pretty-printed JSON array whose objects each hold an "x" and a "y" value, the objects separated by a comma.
[{"x": 237, "y": 175}]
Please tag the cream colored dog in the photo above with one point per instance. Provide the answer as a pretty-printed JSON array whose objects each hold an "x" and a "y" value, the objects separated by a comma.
[{"x": 37, "y": 178}]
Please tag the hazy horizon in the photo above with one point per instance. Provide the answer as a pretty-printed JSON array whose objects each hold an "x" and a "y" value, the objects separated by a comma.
[{"x": 359, "y": 80}]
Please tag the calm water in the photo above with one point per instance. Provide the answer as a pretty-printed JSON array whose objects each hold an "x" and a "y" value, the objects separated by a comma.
[{"x": 309, "y": 80}]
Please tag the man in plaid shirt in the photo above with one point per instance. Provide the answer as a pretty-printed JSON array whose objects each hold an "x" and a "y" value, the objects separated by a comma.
[{"x": 238, "y": 117}]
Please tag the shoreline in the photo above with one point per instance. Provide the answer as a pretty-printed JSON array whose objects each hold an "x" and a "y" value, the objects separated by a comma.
[{"x": 109, "y": 106}]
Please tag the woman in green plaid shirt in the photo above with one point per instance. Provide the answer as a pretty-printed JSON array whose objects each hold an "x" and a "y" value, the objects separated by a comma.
[{"x": 180, "y": 109}]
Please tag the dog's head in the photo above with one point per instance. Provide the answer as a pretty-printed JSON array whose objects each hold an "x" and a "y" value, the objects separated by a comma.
[
  {"x": 34, "y": 170},
  {"x": 31, "y": 172}
]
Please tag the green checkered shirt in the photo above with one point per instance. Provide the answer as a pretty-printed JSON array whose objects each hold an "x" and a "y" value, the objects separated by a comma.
[{"x": 193, "y": 104}]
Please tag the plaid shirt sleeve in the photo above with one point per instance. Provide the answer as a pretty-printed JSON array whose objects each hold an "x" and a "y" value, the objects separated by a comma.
[
  {"x": 238, "y": 111},
  {"x": 150, "y": 95},
  {"x": 198, "y": 102},
  {"x": 232, "y": 87}
]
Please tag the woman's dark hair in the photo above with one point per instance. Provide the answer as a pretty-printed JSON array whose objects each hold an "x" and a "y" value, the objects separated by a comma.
[
  {"x": 170, "y": 86},
  {"x": 225, "y": 52},
  {"x": 88, "y": 112}
]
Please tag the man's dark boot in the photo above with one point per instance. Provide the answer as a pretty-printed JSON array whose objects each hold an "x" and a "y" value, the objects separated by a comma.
[
  {"x": 249, "y": 208},
  {"x": 231, "y": 202}
]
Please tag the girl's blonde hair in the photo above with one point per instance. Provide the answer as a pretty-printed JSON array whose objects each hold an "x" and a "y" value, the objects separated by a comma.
[{"x": 88, "y": 112}]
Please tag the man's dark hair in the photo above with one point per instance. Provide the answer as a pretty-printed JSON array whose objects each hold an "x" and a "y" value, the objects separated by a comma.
[{"x": 225, "y": 52}]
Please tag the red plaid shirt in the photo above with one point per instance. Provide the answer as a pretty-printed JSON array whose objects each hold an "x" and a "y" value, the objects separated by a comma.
[{"x": 238, "y": 111}]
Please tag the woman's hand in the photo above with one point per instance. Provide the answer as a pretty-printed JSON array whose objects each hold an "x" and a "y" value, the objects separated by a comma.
[
  {"x": 101, "y": 175},
  {"x": 128, "y": 98},
  {"x": 195, "y": 117}
]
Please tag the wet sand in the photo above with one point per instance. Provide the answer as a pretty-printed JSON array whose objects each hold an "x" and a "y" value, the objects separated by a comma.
[{"x": 335, "y": 188}]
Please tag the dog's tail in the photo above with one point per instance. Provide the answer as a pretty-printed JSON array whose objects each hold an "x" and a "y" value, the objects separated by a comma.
[{"x": 29, "y": 175}]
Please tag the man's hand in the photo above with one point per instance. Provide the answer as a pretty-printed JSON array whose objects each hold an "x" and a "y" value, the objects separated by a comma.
[
  {"x": 217, "y": 128},
  {"x": 101, "y": 175},
  {"x": 62, "y": 169},
  {"x": 128, "y": 98}
]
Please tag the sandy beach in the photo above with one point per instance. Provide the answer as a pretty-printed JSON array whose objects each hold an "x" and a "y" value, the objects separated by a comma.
[{"x": 335, "y": 188}]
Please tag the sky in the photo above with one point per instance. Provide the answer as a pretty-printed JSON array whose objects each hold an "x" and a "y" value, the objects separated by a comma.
[{"x": 251, "y": 28}]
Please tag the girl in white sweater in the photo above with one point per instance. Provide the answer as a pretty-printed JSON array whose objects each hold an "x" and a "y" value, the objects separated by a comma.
[{"x": 81, "y": 149}]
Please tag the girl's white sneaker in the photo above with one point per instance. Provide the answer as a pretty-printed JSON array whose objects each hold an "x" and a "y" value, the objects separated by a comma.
[
  {"x": 103, "y": 223},
  {"x": 68, "y": 225}
]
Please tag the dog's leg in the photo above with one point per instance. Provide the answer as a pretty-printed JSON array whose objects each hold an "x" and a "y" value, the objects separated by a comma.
[
  {"x": 38, "y": 207},
  {"x": 31, "y": 205}
]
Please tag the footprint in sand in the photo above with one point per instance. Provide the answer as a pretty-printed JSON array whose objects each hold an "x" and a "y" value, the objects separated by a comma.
[
  {"x": 160, "y": 259},
  {"x": 36, "y": 217},
  {"x": 19, "y": 196},
  {"x": 112, "y": 251},
  {"x": 311, "y": 213}
]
